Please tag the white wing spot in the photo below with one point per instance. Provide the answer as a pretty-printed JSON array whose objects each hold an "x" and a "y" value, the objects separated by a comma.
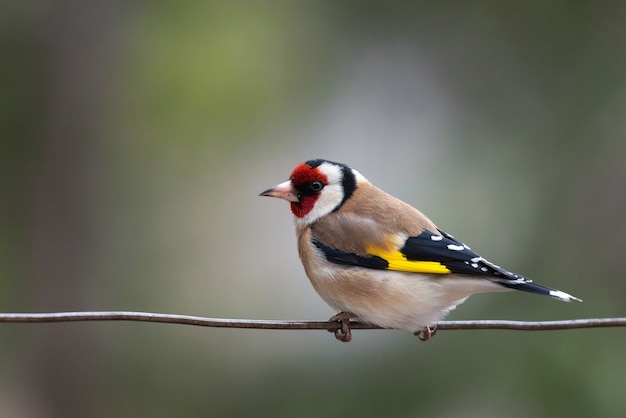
[
  {"x": 436, "y": 237},
  {"x": 483, "y": 268},
  {"x": 475, "y": 265},
  {"x": 455, "y": 247}
]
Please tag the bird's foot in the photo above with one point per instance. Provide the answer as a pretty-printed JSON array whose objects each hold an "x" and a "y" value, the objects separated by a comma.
[
  {"x": 341, "y": 326},
  {"x": 427, "y": 333}
]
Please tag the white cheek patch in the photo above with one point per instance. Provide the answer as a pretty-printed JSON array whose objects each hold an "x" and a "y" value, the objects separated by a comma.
[{"x": 329, "y": 199}]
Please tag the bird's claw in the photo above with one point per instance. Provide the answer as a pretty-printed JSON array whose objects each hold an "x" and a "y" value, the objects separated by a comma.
[
  {"x": 427, "y": 333},
  {"x": 341, "y": 326}
]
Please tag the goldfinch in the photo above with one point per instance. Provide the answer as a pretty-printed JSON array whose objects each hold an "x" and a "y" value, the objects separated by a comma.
[{"x": 375, "y": 258}]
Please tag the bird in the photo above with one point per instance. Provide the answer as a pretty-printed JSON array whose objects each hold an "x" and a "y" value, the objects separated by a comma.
[{"x": 375, "y": 258}]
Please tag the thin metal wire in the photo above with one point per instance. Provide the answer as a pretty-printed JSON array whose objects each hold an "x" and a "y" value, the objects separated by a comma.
[{"x": 297, "y": 325}]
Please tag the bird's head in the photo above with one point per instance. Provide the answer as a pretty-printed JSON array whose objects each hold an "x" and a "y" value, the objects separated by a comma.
[{"x": 316, "y": 188}]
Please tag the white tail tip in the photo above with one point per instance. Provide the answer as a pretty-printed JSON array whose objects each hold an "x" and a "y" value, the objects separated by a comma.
[{"x": 565, "y": 297}]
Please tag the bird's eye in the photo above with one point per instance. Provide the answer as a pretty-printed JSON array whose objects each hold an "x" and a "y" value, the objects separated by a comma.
[{"x": 317, "y": 186}]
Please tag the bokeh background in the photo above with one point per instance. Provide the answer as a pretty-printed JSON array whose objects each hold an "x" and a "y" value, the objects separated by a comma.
[{"x": 136, "y": 136}]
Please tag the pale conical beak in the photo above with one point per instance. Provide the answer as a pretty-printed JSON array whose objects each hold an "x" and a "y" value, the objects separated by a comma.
[{"x": 283, "y": 191}]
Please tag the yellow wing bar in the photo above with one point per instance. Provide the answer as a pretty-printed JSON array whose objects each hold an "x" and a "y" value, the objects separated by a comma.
[{"x": 397, "y": 261}]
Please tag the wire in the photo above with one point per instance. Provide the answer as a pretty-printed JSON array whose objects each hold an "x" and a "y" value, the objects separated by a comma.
[{"x": 298, "y": 325}]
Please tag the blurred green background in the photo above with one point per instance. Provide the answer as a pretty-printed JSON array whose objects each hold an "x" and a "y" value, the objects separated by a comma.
[{"x": 136, "y": 136}]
